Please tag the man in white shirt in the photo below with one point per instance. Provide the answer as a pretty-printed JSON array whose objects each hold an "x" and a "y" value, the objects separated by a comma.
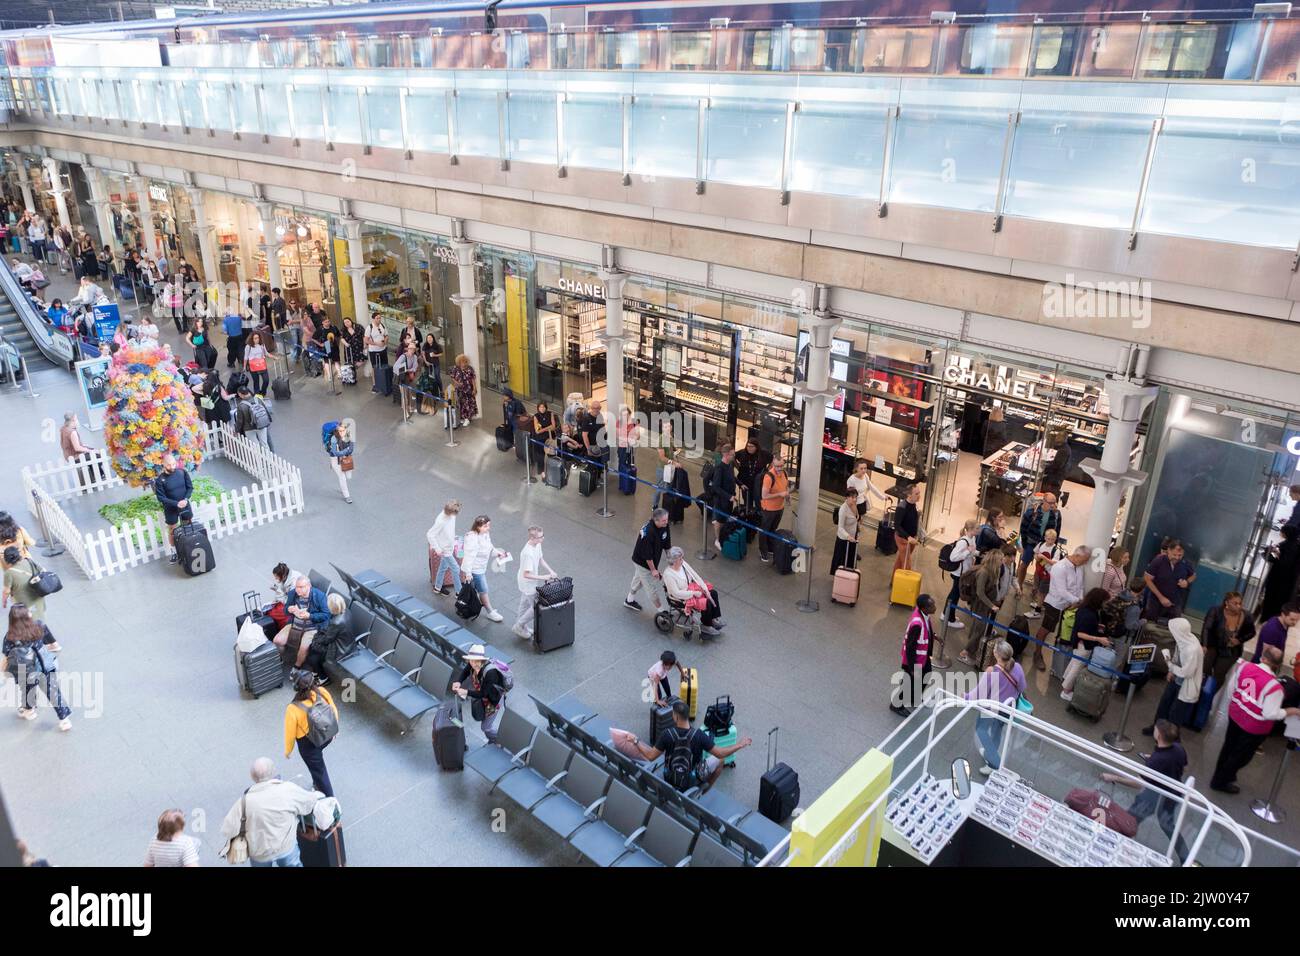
[
  {"x": 442, "y": 546},
  {"x": 1064, "y": 591},
  {"x": 269, "y": 811},
  {"x": 89, "y": 292},
  {"x": 533, "y": 570}
]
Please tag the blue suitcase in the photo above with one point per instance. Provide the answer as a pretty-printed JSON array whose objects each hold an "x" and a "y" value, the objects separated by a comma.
[
  {"x": 735, "y": 545},
  {"x": 627, "y": 480}
]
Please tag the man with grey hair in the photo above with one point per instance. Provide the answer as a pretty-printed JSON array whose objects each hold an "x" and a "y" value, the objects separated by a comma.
[
  {"x": 267, "y": 815},
  {"x": 533, "y": 570},
  {"x": 1064, "y": 591},
  {"x": 173, "y": 489},
  {"x": 655, "y": 538}
]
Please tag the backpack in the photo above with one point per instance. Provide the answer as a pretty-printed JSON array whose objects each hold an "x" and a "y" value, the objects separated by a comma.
[
  {"x": 468, "y": 604},
  {"x": 679, "y": 768},
  {"x": 327, "y": 432},
  {"x": 322, "y": 724},
  {"x": 966, "y": 585},
  {"x": 946, "y": 562},
  {"x": 261, "y": 415},
  {"x": 24, "y": 660},
  {"x": 507, "y": 678},
  {"x": 706, "y": 475}
]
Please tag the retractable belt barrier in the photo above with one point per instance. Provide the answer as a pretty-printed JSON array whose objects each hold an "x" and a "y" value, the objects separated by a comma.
[{"x": 1030, "y": 639}]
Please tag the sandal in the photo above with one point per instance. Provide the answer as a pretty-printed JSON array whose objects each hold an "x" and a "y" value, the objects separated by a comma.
[{"x": 965, "y": 659}]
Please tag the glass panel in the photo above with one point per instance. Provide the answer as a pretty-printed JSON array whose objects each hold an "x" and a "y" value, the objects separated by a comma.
[
  {"x": 245, "y": 102},
  {"x": 745, "y": 142},
  {"x": 532, "y": 127},
  {"x": 191, "y": 102},
  {"x": 168, "y": 103},
  {"x": 948, "y": 144},
  {"x": 277, "y": 120},
  {"x": 691, "y": 50},
  {"x": 663, "y": 136},
  {"x": 345, "y": 115},
  {"x": 838, "y": 152},
  {"x": 1225, "y": 167},
  {"x": 107, "y": 99},
  {"x": 1079, "y": 152},
  {"x": 384, "y": 111},
  {"x": 218, "y": 106},
  {"x": 476, "y": 123},
  {"x": 992, "y": 50},
  {"x": 90, "y": 97},
  {"x": 1178, "y": 51},
  {"x": 1112, "y": 50},
  {"x": 1280, "y": 61},
  {"x": 426, "y": 117},
  {"x": 593, "y": 131},
  {"x": 308, "y": 119}
]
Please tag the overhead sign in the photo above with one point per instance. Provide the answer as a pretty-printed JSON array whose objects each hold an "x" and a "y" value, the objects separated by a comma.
[
  {"x": 158, "y": 193},
  {"x": 92, "y": 377},
  {"x": 592, "y": 290},
  {"x": 1015, "y": 387}
]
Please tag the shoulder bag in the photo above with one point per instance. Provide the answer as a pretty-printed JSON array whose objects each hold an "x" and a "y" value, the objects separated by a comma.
[
  {"x": 345, "y": 463},
  {"x": 236, "y": 849},
  {"x": 1023, "y": 703},
  {"x": 43, "y": 582}
]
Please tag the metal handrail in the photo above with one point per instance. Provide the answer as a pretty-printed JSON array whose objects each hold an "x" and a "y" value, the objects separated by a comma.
[{"x": 54, "y": 344}]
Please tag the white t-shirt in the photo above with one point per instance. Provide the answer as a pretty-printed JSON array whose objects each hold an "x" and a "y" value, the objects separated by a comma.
[
  {"x": 530, "y": 560},
  {"x": 865, "y": 487},
  {"x": 182, "y": 850}
]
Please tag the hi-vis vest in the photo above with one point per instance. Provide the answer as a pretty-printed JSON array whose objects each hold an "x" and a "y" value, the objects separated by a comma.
[
  {"x": 922, "y": 643},
  {"x": 1254, "y": 685}
]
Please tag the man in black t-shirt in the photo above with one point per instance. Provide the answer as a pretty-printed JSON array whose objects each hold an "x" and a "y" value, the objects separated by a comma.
[
  {"x": 693, "y": 758},
  {"x": 655, "y": 538},
  {"x": 1170, "y": 759}
]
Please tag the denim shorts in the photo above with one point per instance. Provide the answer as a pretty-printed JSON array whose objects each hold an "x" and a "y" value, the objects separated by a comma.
[{"x": 480, "y": 583}]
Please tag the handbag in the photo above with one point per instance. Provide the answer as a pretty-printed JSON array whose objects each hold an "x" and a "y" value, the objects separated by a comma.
[
  {"x": 257, "y": 364},
  {"x": 345, "y": 463},
  {"x": 1023, "y": 703},
  {"x": 43, "y": 582},
  {"x": 236, "y": 848}
]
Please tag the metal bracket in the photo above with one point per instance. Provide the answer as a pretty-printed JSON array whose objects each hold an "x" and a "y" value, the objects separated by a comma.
[
  {"x": 561, "y": 146},
  {"x": 887, "y": 161},
  {"x": 326, "y": 125},
  {"x": 701, "y": 143},
  {"x": 363, "y": 117},
  {"x": 791, "y": 108},
  {"x": 1156, "y": 126},
  {"x": 451, "y": 128},
  {"x": 402, "y": 107},
  {"x": 1008, "y": 143},
  {"x": 628, "y": 100},
  {"x": 503, "y": 121}
]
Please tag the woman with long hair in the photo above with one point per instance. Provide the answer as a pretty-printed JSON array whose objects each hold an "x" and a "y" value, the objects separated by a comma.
[
  {"x": 255, "y": 354},
  {"x": 984, "y": 605},
  {"x": 32, "y": 665},
  {"x": 1089, "y": 634},
  {"x": 478, "y": 551},
  {"x": 297, "y": 728},
  {"x": 1227, "y": 627},
  {"x": 465, "y": 379}
]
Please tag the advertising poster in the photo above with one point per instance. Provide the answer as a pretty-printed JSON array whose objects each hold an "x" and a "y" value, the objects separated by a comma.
[{"x": 92, "y": 377}]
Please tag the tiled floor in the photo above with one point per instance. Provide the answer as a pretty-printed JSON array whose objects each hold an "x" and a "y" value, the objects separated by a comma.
[{"x": 175, "y": 732}]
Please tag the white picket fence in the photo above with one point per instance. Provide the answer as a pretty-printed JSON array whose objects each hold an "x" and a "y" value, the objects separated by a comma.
[{"x": 276, "y": 494}]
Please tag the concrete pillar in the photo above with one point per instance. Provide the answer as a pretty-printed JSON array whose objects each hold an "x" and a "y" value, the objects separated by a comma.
[
  {"x": 57, "y": 190},
  {"x": 1113, "y": 473},
  {"x": 356, "y": 270},
  {"x": 270, "y": 244},
  {"x": 103, "y": 208},
  {"x": 25, "y": 184},
  {"x": 144, "y": 208},
  {"x": 468, "y": 299},
  {"x": 614, "y": 281},
  {"x": 814, "y": 391},
  {"x": 207, "y": 243}
]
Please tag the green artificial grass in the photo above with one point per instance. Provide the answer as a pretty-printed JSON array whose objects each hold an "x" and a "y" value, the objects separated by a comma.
[{"x": 122, "y": 513}]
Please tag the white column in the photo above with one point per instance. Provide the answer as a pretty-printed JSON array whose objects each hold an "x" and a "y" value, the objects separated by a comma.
[
  {"x": 99, "y": 202},
  {"x": 356, "y": 270},
  {"x": 1114, "y": 474},
  {"x": 468, "y": 299},
  {"x": 25, "y": 184},
  {"x": 614, "y": 281},
  {"x": 57, "y": 190},
  {"x": 270, "y": 244},
  {"x": 207, "y": 247},
  {"x": 144, "y": 207},
  {"x": 814, "y": 392}
]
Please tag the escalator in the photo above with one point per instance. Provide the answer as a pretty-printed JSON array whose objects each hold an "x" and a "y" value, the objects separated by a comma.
[{"x": 23, "y": 327}]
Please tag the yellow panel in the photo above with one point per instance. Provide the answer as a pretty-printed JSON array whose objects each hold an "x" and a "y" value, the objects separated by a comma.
[
  {"x": 820, "y": 827},
  {"x": 344, "y": 280},
  {"x": 517, "y": 334}
]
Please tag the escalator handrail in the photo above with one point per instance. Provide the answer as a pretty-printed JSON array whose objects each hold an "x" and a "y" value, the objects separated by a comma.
[{"x": 54, "y": 344}]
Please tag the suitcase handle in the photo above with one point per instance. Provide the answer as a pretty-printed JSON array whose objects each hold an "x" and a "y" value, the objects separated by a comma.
[
  {"x": 771, "y": 753},
  {"x": 726, "y": 697},
  {"x": 252, "y": 602}
]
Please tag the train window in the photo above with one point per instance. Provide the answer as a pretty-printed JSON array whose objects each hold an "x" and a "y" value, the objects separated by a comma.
[
  {"x": 806, "y": 49},
  {"x": 893, "y": 49},
  {"x": 1047, "y": 49},
  {"x": 757, "y": 49},
  {"x": 691, "y": 50},
  {"x": 1178, "y": 50},
  {"x": 994, "y": 49},
  {"x": 1110, "y": 50}
]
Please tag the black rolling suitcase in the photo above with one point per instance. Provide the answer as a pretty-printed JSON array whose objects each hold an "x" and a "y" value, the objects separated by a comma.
[
  {"x": 885, "y": 542},
  {"x": 384, "y": 380},
  {"x": 778, "y": 788},
  {"x": 553, "y": 625},
  {"x": 557, "y": 472},
  {"x": 259, "y": 670},
  {"x": 588, "y": 480},
  {"x": 783, "y": 554},
  {"x": 280, "y": 388},
  {"x": 253, "y": 608},
  {"x": 661, "y": 718},
  {"x": 449, "y": 736},
  {"x": 321, "y": 847},
  {"x": 504, "y": 439},
  {"x": 194, "y": 548}
]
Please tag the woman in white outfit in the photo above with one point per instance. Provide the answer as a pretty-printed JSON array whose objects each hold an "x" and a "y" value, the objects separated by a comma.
[
  {"x": 683, "y": 583},
  {"x": 341, "y": 448},
  {"x": 847, "y": 520},
  {"x": 963, "y": 555},
  {"x": 860, "y": 481},
  {"x": 478, "y": 551}
]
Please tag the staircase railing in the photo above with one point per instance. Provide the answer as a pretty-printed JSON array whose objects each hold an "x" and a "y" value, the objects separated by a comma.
[{"x": 53, "y": 343}]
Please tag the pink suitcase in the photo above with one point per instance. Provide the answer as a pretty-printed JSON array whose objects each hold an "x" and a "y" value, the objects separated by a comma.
[{"x": 845, "y": 588}]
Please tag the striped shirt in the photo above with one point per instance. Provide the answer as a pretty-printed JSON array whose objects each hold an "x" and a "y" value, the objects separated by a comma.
[{"x": 181, "y": 850}]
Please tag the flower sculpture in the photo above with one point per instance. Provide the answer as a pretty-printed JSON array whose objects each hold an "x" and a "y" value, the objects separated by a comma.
[{"x": 150, "y": 413}]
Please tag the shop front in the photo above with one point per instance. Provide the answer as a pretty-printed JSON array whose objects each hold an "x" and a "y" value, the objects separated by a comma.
[
  {"x": 410, "y": 276},
  {"x": 174, "y": 226},
  {"x": 307, "y": 270},
  {"x": 124, "y": 210}
]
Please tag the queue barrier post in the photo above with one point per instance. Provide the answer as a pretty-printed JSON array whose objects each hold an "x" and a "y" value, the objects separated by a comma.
[
  {"x": 704, "y": 554},
  {"x": 603, "y": 511},
  {"x": 1117, "y": 740},
  {"x": 941, "y": 661},
  {"x": 808, "y": 605},
  {"x": 1268, "y": 809},
  {"x": 528, "y": 461}
]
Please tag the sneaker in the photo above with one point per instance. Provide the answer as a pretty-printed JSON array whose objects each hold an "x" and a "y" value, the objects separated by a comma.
[
  {"x": 956, "y": 625},
  {"x": 631, "y": 605},
  {"x": 495, "y": 617},
  {"x": 900, "y": 710},
  {"x": 443, "y": 590},
  {"x": 717, "y": 545},
  {"x": 65, "y": 725},
  {"x": 323, "y": 680},
  {"x": 765, "y": 558},
  {"x": 1067, "y": 695},
  {"x": 986, "y": 770},
  {"x": 348, "y": 500},
  {"x": 965, "y": 659},
  {"x": 719, "y": 623},
  {"x": 521, "y": 634},
  {"x": 173, "y": 557},
  {"x": 1033, "y": 613},
  {"x": 26, "y": 713},
  {"x": 709, "y": 631}
]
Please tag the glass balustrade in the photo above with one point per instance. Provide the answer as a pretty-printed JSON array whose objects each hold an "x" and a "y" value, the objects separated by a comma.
[{"x": 1224, "y": 164}]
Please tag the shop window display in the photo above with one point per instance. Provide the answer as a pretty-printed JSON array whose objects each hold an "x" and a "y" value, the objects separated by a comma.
[{"x": 306, "y": 266}]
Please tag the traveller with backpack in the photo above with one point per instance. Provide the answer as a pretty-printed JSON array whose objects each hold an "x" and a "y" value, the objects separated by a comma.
[
  {"x": 693, "y": 759},
  {"x": 312, "y": 721},
  {"x": 252, "y": 416},
  {"x": 486, "y": 683},
  {"x": 979, "y": 587},
  {"x": 957, "y": 558},
  {"x": 337, "y": 438},
  {"x": 990, "y": 532},
  {"x": 33, "y": 665}
]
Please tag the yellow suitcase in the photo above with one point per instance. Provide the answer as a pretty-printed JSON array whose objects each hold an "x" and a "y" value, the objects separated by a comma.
[
  {"x": 690, "y": 689},
  {"x": 906, "y": 588}
]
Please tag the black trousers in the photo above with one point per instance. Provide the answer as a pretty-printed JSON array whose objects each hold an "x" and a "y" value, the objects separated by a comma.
[
  {"x": 234, "y": 348},
  {"x": 314, "y": 758},
  {"x": 845, "y": 554},
  {"x": 770, "y": 520},
  {"x": 910, "y": 692},
  {"x": 1238, "y": 747}
]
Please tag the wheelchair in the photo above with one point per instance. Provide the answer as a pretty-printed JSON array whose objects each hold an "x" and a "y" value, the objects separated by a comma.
[{"x": 677, "y": 616}]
